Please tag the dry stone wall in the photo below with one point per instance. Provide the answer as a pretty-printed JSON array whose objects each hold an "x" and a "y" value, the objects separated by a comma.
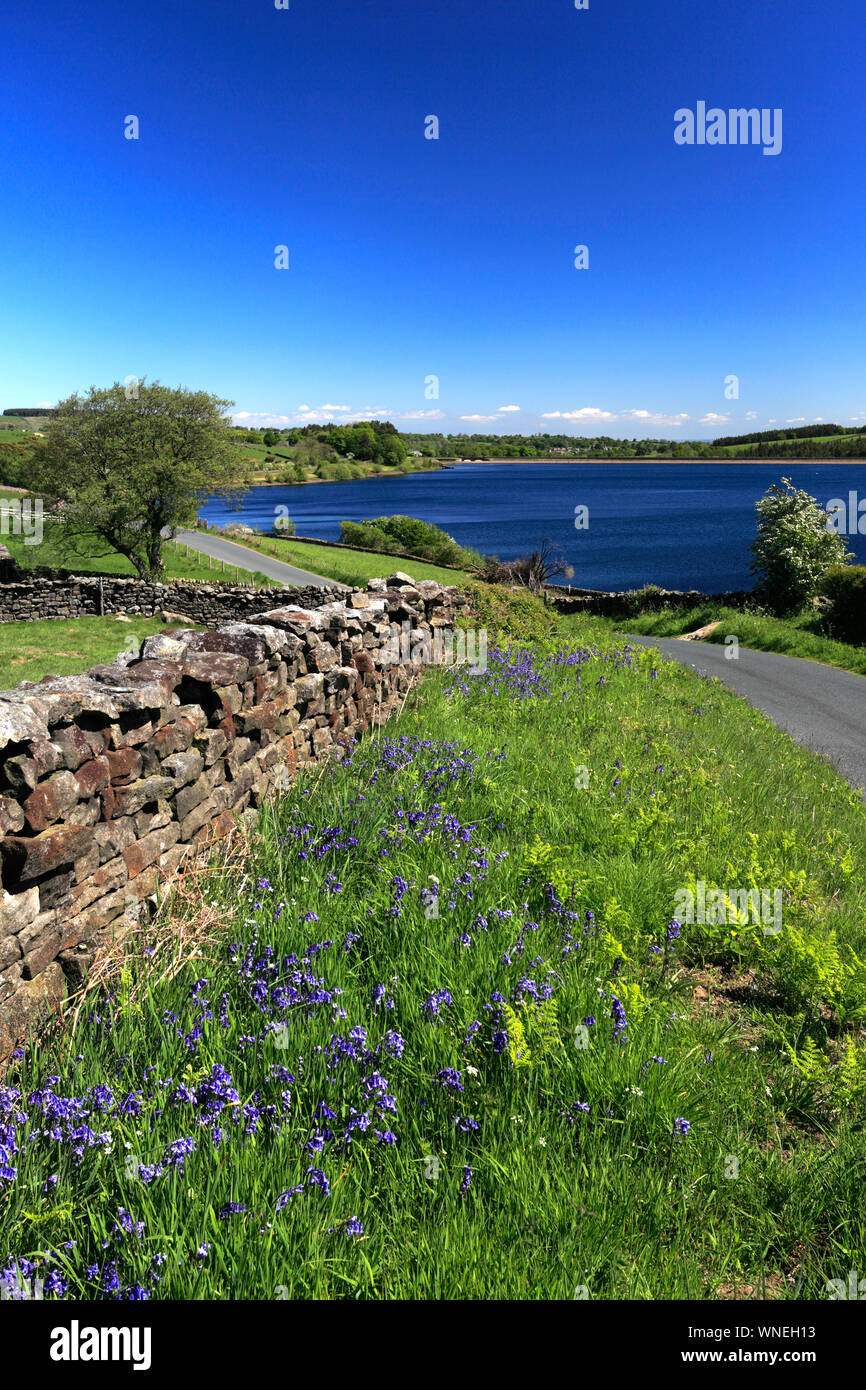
[
  {"x": 108, "y": 780},
  {"x": 628, "y": 602},
  {"x": 78, "y": 596}
]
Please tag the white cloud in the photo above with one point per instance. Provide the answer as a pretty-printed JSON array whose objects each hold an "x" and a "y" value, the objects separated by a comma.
[
  {"x": 478, "y": 419},
  {"x": 797, "y": 420},
  {"x": 592, "y": 413},
  {"x": 712, "y": 419},
  {"x": 323, "y": 414},
  {"x": 504, "y": 409},
  {"x": 751, "y": 414},
  {"x": 256, "y": 420},
  {"x": 587, "y": 412},
  {"x": 646, "y": 417},
  {"x": 44, "y": 405}
]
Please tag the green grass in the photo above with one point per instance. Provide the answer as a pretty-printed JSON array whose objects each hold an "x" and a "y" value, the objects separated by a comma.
[
  {"x": 482, "y": 792},
  {"x": 15, "y": 436},
  {"x": 354, "y": 567},
  {"x": 65, "y": 646},
  {"x": 797, "y": 636}
]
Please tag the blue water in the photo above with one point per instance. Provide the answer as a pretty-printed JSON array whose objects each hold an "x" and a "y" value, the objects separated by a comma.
[{"x": 680, "y": 525}]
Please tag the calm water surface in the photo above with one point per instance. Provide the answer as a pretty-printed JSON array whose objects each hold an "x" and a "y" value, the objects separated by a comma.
[{"x": 680, "y": 525}]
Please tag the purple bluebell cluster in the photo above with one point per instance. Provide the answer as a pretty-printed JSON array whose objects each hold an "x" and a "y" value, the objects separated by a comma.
[{"x": 620, "y": 1022}]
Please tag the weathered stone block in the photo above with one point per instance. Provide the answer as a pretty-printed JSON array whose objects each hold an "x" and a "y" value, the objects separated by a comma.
[
  {"x": 26, "y": 859},
  {"x": 31, "y": 1001},
  {"x": 259, "y": 717},
  {"x": 11, "y": 816},
  {"x": 183, "y": 768},
  {"x": 113, "y": 838},
  {"x": 128, "y": 800},
  {"x": 45, "y": 756},
  {"x": 309, "y": 687},
  {"x": 124, "y": 766},
  {"x": 40, "y": 954},
  {"x": 322, "y": 658},
  {"x": 130, "y": 734},
  {"x": 238, "y": 639},
  {"x": 172, "y": 738},
  {"x": 21, "y": 773},
  {"x": 146, "y": 821},
  {"x": 242, "y": 750},
  {"x": 74, "y": 747},
  {"x": 145, "y": 852},
  {"x": 93, "y": 775},
  {"x": 17, "y": 910},
  {"x": 55, "y": 891},
  {"x": 215, "y": 668},
  {"x": 106, "y": 879},
  {"x": 190, "y": 797},
  {"x": 10, "y": 951},
  {"x": 206, "y": 811},
  {"x": 51, "y": 801},
  {"x": 213, "y": 743}
]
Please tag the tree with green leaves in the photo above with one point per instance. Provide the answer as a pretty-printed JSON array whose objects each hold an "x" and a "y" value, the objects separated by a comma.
[
  {"x": 794, "y": 547},
  {"x": 132, "y": 466}
]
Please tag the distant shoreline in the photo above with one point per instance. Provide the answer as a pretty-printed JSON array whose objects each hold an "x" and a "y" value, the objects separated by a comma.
[
  {"x": 674, "y": 461},
  {"x": 447, "y": 464}
]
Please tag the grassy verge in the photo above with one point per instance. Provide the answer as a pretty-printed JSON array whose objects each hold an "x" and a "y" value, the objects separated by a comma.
[
  {"x": 354, "y": 567},
  {"x": 792, "y": 637},
  {"x": 63, "y": 647},
  {"x": 432, "y": 1034}
]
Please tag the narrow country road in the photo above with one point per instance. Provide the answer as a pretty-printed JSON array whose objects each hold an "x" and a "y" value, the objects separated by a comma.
[
  {"x": 248, "y": 559},
  {"x": 819, "y": 706}
]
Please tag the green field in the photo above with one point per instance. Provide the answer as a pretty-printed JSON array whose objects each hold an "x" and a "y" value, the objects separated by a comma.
[
  {"x": 63, "y": 647},
  {"x": 438, "y": 1038},
  {"x": 15, "y": 435},
  {"x": 735, "y": 449}
]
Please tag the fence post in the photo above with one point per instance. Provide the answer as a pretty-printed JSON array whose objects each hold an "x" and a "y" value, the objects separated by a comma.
[{"x": 101, "y": 599}]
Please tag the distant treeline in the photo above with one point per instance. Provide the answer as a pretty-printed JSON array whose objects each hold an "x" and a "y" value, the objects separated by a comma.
[
  {"x": 486, "y": 446},
  {"x": 801, "y": 432},
  {"x": 375, "y": 441},
  {"x": 809, "y": 449},
  {"x": 789, "y": 443},
  {"x": 36, "y": 412}
]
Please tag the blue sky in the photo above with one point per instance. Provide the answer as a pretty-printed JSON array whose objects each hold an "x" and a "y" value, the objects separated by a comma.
[{"x": 412, "y": 258}]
